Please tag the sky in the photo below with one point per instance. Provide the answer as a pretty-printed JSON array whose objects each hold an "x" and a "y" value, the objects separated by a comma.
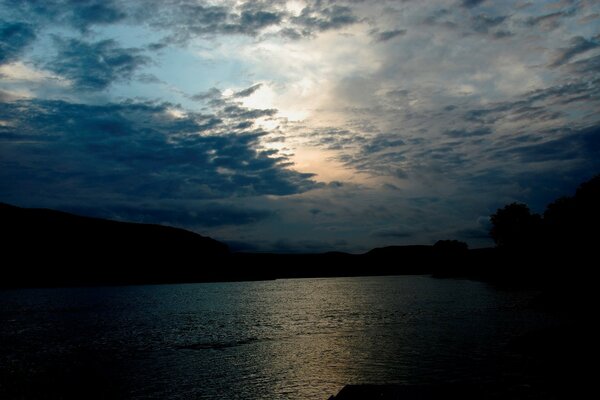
[{"x": 299, "y": 125}]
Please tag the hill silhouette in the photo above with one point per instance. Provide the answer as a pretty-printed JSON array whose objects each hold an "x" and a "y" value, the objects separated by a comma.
[{"x": 44, "y": 247}]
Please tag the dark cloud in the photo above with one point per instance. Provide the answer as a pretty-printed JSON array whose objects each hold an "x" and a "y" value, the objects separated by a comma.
[
  {"x": 306, "y": 246},
  {"x": 438, "y": 18},
  {"x": 132, "y": 151},
  {"x": 483, "y": 23},
  {"x": 393, "y": 234},
  {"x": 549, "y": 21},
  {"x": 210, "y": 94},
  {"x": 244, "y": 125},
  {"x": 88, "y": 13},
  {"x": 191, "y": 215},
  {"x": 501, "y": 34},
  {"x": 471, "y": 3},
  {"x": 76, "y": 13},
  {"x": 574, "y": 145},
  {"x": 254, "y": 21},
  {"x": 156, "y": 46},
  {"x": 336, "y": 139},
  {"x": 95, "y": 65},
  {"x": 243, "y": 113},
  {"x": 577, "y": 45},
  {"x": 148, "y": 78},
  {"x": 587, "y": 66},
  {"x": 14, "y": 38},
  {"x": 313, "y": 19},
  {"x": 382, "y": 143},
  {"x": 188, "y": 18},
  {"x": 473, "y": 233},
  {"x": 185, "y": 19},
  {"x": 388, "y": 35},
  {"x": 478, "y": 138},
  {"x": 493, "y": 25},
  {"x": 291, "y": 33},
  {"x": 249, "y": 91},
  {"x": 462, "y": 133},
  {"x": 537, "y": 105}
]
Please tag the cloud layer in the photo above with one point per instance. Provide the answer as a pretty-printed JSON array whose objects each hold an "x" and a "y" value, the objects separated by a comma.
[
  {"x": 303, "y": 124},
  {"x": 127, "y": 152}
]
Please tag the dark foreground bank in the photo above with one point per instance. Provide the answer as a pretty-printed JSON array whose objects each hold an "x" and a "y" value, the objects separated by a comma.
[{"x": 434, "y": 392}]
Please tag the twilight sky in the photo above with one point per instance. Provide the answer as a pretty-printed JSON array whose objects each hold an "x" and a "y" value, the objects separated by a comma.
[{"x": 299, "y": 125}]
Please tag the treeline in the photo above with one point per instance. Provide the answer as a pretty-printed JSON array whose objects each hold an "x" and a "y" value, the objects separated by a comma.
[
  {"x": 556, "y": 248},
  {"x": 568, "y": 224}
]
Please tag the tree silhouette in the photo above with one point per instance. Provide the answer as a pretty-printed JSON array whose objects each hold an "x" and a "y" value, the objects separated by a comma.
[
  {"x": 569, "y": 223},
  {"x": 515, "y": 227},
  {"x": 573, "y": 222}
]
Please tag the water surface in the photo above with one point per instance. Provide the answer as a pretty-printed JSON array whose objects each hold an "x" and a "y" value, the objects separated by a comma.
[{"x": 292, "y": 339}]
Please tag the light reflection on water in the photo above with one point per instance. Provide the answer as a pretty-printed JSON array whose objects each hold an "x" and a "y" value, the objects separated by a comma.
[{"x": 296, "y": 339}]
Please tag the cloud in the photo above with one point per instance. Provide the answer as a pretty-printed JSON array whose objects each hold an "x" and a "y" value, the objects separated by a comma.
[
  {"x": 460, "y": 133},
  {"x": 388, "y": 35},
  {"x": 192, "y": 16},
  {"x": 587, "y": 66},
  {"x": 313, "y": 19},
  {"x": 190, "y": 214},
  {"x": 482, "y": 23},
  {"x": 539, "y": 105},
  {"x": 243, "y": 113},
  {"x": 6, "y": 96},
  {"x": 190, "y": 19},
  {"x": 473, "y": 233},
  {"x": 92, "y": 12},
  {"x": 306, "y": 246},
  {"x": 79, "y": 14},
  {"x": 254, "y": 21},
  {"x": 392, "y": 233},
  {"x": 95, "y": 65},
  {"x": 471, "y": 3},
  {"x": 435, "y": 125},
  {"x": 136, "y": 152},
  {"x": 148, "y": 78},
  {"x": 577, "y": 45},
  {"x": 210, "y": 94},
  {"x": 573, "y": 145},
  {"x": 185, "y": 19},
  {"x": 383, "y": 143},
  {"x": 249, "y": 91},
  {"x": 548, "y": 21},
  {"x": 14, "y": 38}
]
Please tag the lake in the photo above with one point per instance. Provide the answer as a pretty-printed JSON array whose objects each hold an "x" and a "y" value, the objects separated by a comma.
[{"x": 283, "y": 339}]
